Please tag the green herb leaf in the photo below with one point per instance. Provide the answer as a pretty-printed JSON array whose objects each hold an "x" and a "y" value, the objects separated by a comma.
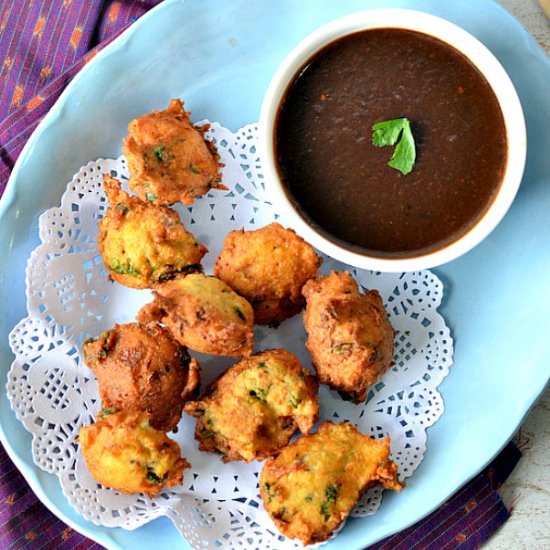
[
  {"x": 123, "y": 268},
  {"x": 154, "y": 478},
  {"x": 294, "y": 402},
  {"x": 151, "y": 196},
  {"x": 205, "y": 432},
  {"x": 270, "y": 494},
  {"x": 396, "y": 132},
  {"x": 158, "y": 151},
  {"x": 331, "y": 492},
  {"x": 342, "y": 348},
  {"x": 260, "y": 393},
  {"x": 239, "y": 313}
]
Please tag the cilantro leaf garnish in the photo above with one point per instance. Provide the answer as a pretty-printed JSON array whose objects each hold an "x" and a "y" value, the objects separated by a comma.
[{"x": 396, "y": 132}]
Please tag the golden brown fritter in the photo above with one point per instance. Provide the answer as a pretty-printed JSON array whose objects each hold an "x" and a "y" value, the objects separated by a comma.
[
  {"x": 269, "y": 267},
  {"x": 204, "y": 314},
  {"x": 311, "y": 486},
  {"x": 143, "y": 243},
  {"x": 123, "y": 452},
  {"x": 255, "y": 407},
  {"x": 141, "y": 367},
  {"x": 349, "y": 335},
  {"x": 168, "y": 157}
]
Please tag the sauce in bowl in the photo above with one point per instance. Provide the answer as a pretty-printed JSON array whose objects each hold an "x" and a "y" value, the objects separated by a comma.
[{"x": 341, "y": 184}]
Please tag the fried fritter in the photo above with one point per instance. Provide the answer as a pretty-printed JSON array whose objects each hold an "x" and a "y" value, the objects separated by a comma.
[
  {"x": 349, "y": 335},
  {"x": 311, "y": 486},
  {"x": 143, "y": 243},
  {"x": 204, "y": 314},
  {"x": 168, "y": 157},
  {"x": 255, "y": 407},
  {"x": 141, "y": 367},
  {"x": 269, "y": 267},
  {"x": 123, "y": 452}
]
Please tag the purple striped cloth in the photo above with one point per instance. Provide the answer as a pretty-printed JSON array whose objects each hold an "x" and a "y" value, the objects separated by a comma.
[{"x": 43, "y": 44}]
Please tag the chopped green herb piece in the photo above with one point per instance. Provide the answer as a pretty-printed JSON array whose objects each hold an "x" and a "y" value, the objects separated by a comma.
[
  {"x": 106, "y": 412},
  {"x": 239, "y": 313},
  {"x": 154, "y": 478},
  {"x": 340, "y": 349},
  {"x": 194, "y": 170},
  {"x": 263, "y": 366},
  {"x": 294, "y": 401},
  {"x": 331, "y": 492},
  {"x": 396, "y": 132},
  {"x": 118, "y": 267},
  {"x": 151, "y": 197},
  {"x": 158, "y": 151},
  {"x": 308, "y": 498},
  {"x": 270, "y": 494},
  {"x": 324, "y": 511},
  {"x": 260, "y": 393},
  {"x": 205, "y": 432}
]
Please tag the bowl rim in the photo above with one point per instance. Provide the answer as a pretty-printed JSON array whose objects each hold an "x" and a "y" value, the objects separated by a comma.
[{"x": 445, "y": 31}]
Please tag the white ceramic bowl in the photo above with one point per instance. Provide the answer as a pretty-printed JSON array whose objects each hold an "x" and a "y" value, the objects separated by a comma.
[{"x": 447, "y": 32}]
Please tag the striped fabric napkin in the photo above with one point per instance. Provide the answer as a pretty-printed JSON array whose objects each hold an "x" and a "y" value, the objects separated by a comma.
[{"x": 43, "y": 44}]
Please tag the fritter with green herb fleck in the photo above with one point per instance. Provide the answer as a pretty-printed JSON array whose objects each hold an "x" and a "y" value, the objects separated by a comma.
[
  {"x": 311, "y": 486},
  {"x": 143, "y": 243},
  {"x": 269, "y": 267},
  {"x": 168, "y": 157},
  {"x": 349, "y": 335},
  {"x": 204, "y": 314},
  {"x": 255, "y": 407},
  {"x": 141, "y": 367},
  {"x": 123, "y": 452}
]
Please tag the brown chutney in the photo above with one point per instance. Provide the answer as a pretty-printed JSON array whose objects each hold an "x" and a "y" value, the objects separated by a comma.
[{"x": 340, "y": 182}]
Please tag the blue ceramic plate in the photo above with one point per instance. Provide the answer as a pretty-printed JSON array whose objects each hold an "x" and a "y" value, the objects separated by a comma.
[{"x": 219, "y": 57}]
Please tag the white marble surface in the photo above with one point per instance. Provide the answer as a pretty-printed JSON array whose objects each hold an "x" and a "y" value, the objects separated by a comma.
[{"x": 527, "y": 490}]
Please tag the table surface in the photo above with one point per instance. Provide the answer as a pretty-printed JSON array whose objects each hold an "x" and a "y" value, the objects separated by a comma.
[{"x": 527, "y": 490}]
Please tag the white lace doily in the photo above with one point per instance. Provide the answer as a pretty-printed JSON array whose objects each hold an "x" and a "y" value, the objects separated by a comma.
[{"x": 71, "y": 298}]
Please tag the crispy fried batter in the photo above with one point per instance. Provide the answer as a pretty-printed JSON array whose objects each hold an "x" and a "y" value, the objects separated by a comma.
[
  {"x": 269, "y": 267},
  {"x": 124, "y": 452},
  {"x": 255, "y": 407},
  {"x": 204, "y": 314},
  {"x": 310, "y": 487},
  {"x": 349, "y": 335},
  {"x": 168, "y": 157},
  {"x": 143, "y": 243},
  {"x": 143, "y": 368}
]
